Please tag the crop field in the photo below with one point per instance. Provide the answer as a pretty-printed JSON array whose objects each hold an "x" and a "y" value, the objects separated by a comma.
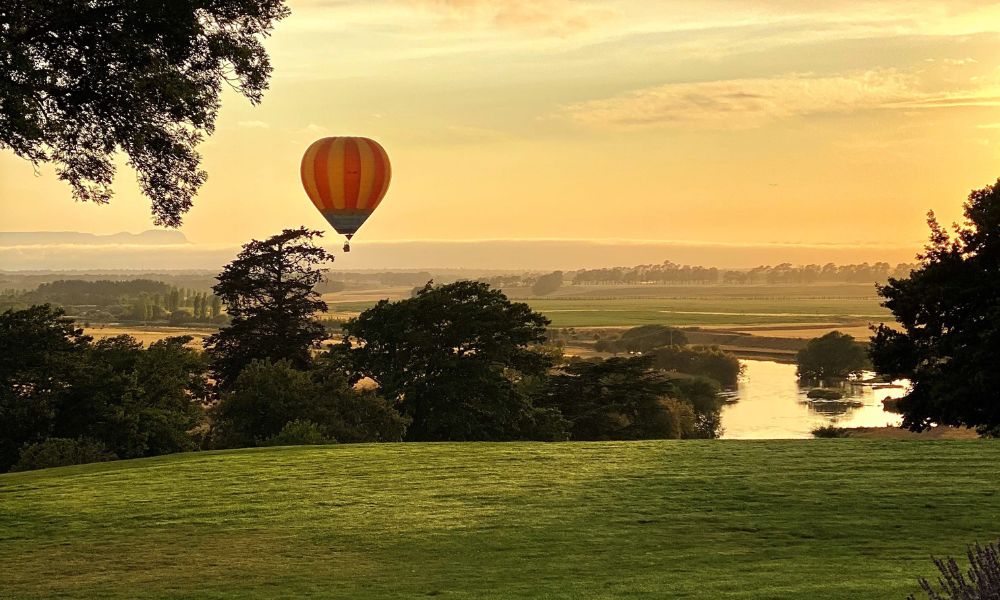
[
  {"x": 728, "y": 306},
  {"x": 834, "y": 519}
]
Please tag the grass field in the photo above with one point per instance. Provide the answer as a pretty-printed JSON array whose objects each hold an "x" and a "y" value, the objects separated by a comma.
[
  {"x": 708, "y": 311},
  {"x": 832, "y": 306},
  {"x": 832, "y": 519}
]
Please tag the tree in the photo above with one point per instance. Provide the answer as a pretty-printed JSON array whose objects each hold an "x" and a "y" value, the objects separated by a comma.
[
  {"x": 82, "y": 79},
  {"x": 546, "y": 284},
  {"x": 618, "y": 399},
  {"x": 136, "y": 402},
  {"x": 216, "y": 306},
  {"x": 267, "y": 396},
  {"x": 453, "y": 359},
  {"x": 835, "y": 355},
  {"x": 949, "y": 312},
  {"x": 40, "y": 350},
  {"x": 269, "y": 294},
  {"x": 707, "y": 361}
]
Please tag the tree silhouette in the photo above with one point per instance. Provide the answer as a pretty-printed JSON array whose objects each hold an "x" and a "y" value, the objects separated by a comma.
[
  {"x": 949, "y": 309},
  {"x": 269, "y": 294},
  {"x": 82, "y": 79}
]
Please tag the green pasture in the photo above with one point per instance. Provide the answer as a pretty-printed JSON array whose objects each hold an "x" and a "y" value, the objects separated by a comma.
[
  {"x": 697, "y": 310},
  {"x": 832, "y": 519}
]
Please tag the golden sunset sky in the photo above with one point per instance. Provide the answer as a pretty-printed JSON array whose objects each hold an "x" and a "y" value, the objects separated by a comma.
[{"x": 732, "y": 121}]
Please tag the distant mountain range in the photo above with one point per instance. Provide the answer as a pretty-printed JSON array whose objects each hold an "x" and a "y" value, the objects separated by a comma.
[{"x": 152, "y": 237}]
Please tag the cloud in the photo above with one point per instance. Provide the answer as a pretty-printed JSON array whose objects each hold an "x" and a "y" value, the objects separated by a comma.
[
  {"x": 558, "y": 17},
  {"x": 751, "y": 103},
  {"x": 253, "y": 125}
]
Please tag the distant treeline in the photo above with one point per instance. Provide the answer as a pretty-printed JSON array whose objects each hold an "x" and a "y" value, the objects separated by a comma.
[
  {"x": 669, "y": 272},
  {"x": 140, "y": 300},
  {"x": 672, "y": 273}
]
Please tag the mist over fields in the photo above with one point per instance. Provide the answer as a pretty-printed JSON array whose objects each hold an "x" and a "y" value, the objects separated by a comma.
[{"x": 171, "y": 250}]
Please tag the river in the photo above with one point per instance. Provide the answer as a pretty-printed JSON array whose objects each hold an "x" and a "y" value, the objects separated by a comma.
[{"x": 769, "y": 404}]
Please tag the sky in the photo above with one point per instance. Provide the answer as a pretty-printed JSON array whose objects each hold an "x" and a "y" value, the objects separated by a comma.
[{"x": 711, "y": 122}]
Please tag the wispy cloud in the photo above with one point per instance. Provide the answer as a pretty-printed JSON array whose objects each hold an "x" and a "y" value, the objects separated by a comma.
[
  {"x": 750, "y": 103},
  {"x": 559, "y": 17},
  {"x": 252, "y": 125}
]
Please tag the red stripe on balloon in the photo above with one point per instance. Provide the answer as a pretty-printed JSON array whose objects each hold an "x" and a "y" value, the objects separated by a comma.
[{"x": 352, "y": 174}]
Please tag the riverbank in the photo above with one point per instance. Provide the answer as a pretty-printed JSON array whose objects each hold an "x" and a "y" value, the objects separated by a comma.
[{"x": 895, "y": 433}]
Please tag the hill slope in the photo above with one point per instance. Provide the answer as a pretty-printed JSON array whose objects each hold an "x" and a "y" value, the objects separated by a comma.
[{"x": 776, "y": 519}]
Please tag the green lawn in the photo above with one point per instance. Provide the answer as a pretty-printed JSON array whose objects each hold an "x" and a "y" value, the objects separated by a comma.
[{"x": 829, "y": 519}]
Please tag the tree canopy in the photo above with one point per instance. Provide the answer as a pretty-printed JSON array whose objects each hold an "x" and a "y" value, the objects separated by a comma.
[
  {"x": 834, "y": 355},
  {"x": 111, "y": 394},
  {"x": 451, "y": 358},
  {"x": 269, "y": 293},
  {"x": 949, "y": 311},
  {"x": 83, "y": 79}
]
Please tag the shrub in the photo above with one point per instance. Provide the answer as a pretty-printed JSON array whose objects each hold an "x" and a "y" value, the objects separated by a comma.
[
  {"x": 299, "y": 433},
  {"x": 831, "y": 431},
  {"x": 60, "y": 452},
  {"x": 981, "y": 581}
]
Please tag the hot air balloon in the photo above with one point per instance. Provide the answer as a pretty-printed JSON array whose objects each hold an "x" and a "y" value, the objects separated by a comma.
[{"x": 346, "y": 178}]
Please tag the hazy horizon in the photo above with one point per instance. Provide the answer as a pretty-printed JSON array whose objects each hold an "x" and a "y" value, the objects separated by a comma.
[
  {"x": 739, "y": 122},
  {"x": 52, "y": 251}
]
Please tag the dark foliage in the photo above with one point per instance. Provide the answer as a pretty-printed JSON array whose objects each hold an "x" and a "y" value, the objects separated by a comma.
[
  {"x": 299, "y": 433},
  {"x": 58, "y": 384},
  {"x": 61, "y": 452},
  {"x": 40, "y": 351},
  {"x": 83, "y": 79},
  {"x": 452, "y": 358},
  {"x": 708, "y": 361},
  {"x": 267, "y": 396},
  {"x": 949, "y": 310},
  {"x": 833, "y": 356},
  {"x": 100, "y": 293},
  {"x": 620, "y": 399},
  {"x": 980, "y": 582},
  {"x": 269, "y": 293},
  {"x": 831, "y": 431}
]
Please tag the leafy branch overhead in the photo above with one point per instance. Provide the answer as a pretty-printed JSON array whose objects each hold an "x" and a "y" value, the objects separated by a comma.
[{"x": 81, "y": 80}]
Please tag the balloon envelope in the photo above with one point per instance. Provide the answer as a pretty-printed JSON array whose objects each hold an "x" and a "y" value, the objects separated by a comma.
[{"x": 346, "y": 178}]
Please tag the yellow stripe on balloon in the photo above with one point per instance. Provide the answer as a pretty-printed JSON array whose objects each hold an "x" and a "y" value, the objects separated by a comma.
[
  {"x": 335, "y": 172},
  {"x": 309, "y": 174},
  {"x": 367, "y": 168}
]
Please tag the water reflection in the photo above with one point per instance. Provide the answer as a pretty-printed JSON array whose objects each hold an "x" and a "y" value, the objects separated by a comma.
[{"x": 770, "y": 404}]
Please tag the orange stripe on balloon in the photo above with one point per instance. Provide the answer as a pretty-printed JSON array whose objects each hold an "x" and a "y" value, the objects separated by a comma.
[
  {"x": 368, "y": 160},
  {"x": 321, "y": 169},
  {"x": 378, "y": 177},
  {"x": 352, "y": 174}
]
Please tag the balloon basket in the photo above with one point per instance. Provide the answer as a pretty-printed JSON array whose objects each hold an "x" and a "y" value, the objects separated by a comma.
[{"x": 347, "y": 246}]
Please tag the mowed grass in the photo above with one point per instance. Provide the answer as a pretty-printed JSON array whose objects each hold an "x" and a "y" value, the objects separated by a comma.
[{"x": 832, "y": 519}]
